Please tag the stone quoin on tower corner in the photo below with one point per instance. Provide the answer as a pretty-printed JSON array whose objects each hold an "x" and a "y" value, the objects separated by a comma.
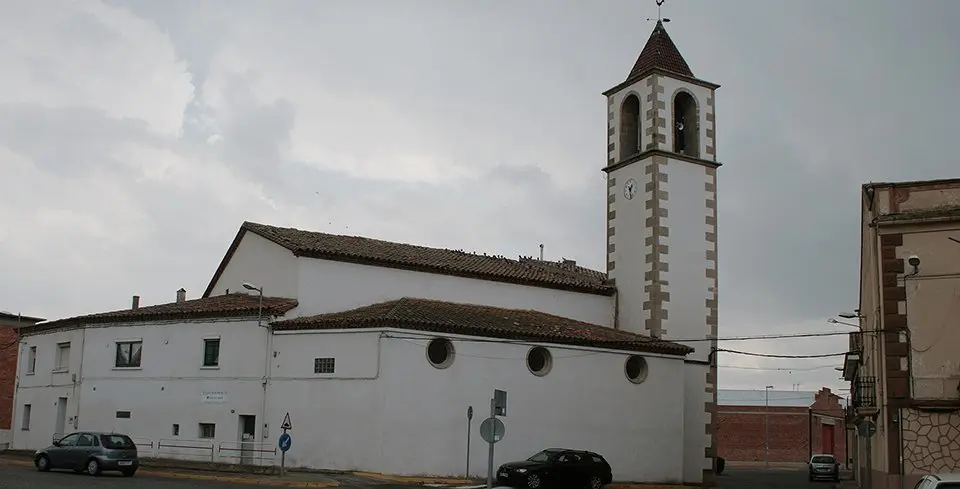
[{"x": 662, "y": 222}]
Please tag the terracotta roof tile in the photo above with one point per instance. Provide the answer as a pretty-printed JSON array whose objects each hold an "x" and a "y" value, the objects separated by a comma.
[
  {"x": 228, "y": 305},
  {"x": 477, "y": 320},
  {"x": 660, "y": 52},
  {"x": 355, "y": 249}
]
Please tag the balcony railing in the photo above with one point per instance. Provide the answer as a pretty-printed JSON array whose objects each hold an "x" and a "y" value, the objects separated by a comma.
[
  {"x": 856, "y": 342},
  {"x": 865, "y": 392}
]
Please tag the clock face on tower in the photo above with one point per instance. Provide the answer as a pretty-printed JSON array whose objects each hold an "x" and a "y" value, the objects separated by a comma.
[{"x": 630, "y": 189}]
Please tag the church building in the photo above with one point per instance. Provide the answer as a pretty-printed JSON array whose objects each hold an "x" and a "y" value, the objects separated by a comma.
[{"x": 375, "y": 352}]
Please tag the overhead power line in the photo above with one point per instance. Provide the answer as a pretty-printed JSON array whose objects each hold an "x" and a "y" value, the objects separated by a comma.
[
  {"x": 682, "y": 340},
  {"x": 770, "y": 355},
  {"x": 785, "y": 369}
]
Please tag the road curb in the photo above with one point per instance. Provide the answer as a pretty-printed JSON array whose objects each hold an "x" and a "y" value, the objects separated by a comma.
[
  {"x": 413, "y": 479},
  {"x": 236, "y": 479},
  {"x": 640, "y": 485}
]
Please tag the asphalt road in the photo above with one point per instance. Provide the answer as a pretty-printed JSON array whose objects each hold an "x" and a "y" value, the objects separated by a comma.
[
  {"x": 27, "y": 477},
  {"x": 20, "y": 477},
  {"x": 771, "y": 478}
]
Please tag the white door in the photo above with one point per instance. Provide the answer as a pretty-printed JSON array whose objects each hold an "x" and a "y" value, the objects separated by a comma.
[{"x": 61, "y": 426}]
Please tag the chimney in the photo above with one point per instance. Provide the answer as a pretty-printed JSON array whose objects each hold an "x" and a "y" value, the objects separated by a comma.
[
  {"x": 569, "y": 262},
  {"x": 181, "y": 295},
  {"x": 136, "y": 302}
]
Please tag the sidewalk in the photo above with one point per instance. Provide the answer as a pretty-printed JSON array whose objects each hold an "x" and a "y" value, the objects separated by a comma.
[{"x": 293, "y": 479}]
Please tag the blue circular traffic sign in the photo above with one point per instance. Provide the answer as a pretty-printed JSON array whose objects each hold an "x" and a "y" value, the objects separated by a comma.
[{"x": 285, "y": 441}]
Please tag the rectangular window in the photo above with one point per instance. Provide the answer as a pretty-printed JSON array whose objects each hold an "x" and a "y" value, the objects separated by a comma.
[
  {"x": 25, "y": 424},
  {"x": 32, "y": 360},
  {"x": 324, "y": 365},
  {"x": 208, "y": 430},
  {"x": 176, "y": 429},
  {"x": 128, "y": 354},
  {"x": 123, "y": 414},
  {"x": 211, "y": 352},
  {"x": 63, "y": 357}
]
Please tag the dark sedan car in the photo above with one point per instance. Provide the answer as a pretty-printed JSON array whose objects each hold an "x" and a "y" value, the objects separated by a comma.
[
  {"x": 557, "y": 467},
  {"x": 90, "y": 452}
]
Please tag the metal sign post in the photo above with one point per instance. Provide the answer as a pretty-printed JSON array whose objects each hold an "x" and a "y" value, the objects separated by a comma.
[
  {"x": 492, "y": 429},
  {"x": 469, "y": 423},
  {"x": 285, "y": 442}
]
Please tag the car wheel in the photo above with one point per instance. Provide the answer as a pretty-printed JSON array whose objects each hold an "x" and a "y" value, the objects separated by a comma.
[
  {"x": 93, "y": 467},
  {"x": 533, "y": 481},
  {"x": 596, "y": 482},
  {"x": 128, "y": 472},
  {"x": 43, "y": 463}
]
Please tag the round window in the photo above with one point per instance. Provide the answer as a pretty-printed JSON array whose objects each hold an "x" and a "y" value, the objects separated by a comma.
[
  {"x": 440, "y": 352},
  {"x": 636, "y": 369},
  {"x": 539, "y": 360}
]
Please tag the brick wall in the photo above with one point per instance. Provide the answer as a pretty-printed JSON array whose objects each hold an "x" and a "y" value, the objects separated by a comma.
[
  {"x": 8, "y": 372},
  {"x": 740, "y": 431}
]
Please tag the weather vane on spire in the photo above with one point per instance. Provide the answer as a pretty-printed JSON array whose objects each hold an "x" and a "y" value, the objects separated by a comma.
[{"x": 660, "y": 17}]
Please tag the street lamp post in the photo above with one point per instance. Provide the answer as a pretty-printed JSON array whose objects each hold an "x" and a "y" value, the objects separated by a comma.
[
  {"x": 249, "y": 286},
  {"x": 766, "y": 426},
  {"x": 266, "y": 360}
]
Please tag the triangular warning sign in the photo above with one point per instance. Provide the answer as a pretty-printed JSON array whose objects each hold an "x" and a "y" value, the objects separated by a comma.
[{"x": 286, "y": 425}]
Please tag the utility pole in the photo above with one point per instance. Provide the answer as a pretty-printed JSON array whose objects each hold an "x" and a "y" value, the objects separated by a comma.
[{"x": 766, "y": 426}]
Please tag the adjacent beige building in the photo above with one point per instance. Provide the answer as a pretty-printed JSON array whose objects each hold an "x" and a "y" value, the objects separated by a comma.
[{"x": 904, "y": 363}]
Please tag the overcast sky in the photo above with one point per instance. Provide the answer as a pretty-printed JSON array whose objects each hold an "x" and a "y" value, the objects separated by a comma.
[{"x": 135, "y": 137}]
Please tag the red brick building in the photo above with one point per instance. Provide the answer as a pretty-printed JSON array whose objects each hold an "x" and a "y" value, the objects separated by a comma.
[
  {"x": 796, "y": 423},
  {"x": 9, "y": 348}
]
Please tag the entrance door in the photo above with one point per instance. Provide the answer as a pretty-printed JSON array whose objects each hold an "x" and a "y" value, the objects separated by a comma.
[
  {"x": 61, "y": 422},
  {"x": 248, "y": 432},
  {"x": 827, "y": 439}
]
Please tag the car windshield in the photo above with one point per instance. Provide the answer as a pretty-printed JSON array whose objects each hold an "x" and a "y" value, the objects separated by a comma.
[
  {"x": 117, "y": 442},
  {"x": 543, "y": 456},
  {"x": 823, "y": 460}
]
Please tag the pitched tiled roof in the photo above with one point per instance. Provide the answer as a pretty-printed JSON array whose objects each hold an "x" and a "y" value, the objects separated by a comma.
[
  {"x": 9, "y": 316},
  {"x": 228, "y": 305},
  {"x": 367, "y": 251},
  {"x": 660, "y": 52},
  {"x": 487, "y": 321}
]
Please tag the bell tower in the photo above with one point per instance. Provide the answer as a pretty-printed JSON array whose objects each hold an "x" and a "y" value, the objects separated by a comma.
[{"x": 662, "y": 224}]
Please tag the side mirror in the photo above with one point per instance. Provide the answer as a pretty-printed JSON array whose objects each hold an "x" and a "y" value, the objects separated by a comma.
[{"x": 56, "y": 443}]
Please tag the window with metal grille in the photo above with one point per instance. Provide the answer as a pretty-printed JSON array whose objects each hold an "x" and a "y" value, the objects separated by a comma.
[
  {"x": 211, "y": 352},
  {"x": 324, "y": 365},
  {"x": 208, "y": 430}
]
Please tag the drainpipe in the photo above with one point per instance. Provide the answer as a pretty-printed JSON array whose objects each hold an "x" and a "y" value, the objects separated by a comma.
[
  {"x": 900, "y": 423},
  {"x": 78, "y": 393},
  {"x": 809, "y": 433}
]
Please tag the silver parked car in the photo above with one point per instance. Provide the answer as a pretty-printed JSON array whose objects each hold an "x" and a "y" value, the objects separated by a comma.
[
  {"x": 824, "y": 466},
  {"x": 90, "y": 452}
]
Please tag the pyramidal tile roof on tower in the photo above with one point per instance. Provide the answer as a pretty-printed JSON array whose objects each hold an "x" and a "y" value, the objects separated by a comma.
[{"x": 660, "y": 53}]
